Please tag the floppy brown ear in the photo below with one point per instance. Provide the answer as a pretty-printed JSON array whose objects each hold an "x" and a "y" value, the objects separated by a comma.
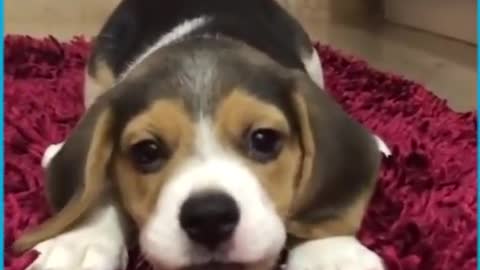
[
  {"x": 339, "y": 166},
  {"x": 76, "y": 176}
]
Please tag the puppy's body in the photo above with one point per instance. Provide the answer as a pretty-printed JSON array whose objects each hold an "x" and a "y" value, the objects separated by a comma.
[
  {"x": 209, "y": 114},
  {"x": 138, "y": 28}
]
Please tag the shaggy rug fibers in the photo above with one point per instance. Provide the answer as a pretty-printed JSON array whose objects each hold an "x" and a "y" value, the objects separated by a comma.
[{"x": 423, "y": 214}]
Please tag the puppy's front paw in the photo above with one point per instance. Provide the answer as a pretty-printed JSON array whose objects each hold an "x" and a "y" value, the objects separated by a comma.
[
  {"x": 72, "y": 252},
  {"x": 335, "y": 253},
  {"x": 97, "y": 245}
]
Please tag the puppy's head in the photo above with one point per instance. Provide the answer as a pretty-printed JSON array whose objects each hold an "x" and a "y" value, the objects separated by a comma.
[
  {"x": 206, "y": 165},
  {"x": 210, "y": 146}
]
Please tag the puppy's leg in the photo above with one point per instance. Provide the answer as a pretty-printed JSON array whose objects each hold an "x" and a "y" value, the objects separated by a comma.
[
  {"x": 98, "y": 243},
  {"x": 333, "y": 253},
  {"x": 331, "y": 244}
]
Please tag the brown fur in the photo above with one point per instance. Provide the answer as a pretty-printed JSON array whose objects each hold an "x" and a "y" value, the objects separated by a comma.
[
  {"x": 238, "y": 113},
  {"x": 308, "y": 153},
  {"x": 347, "y": 222},
  {"x": 171, "y": 122},
  {"x": 286, "y": 180},
  {"x": 168, "y": 120}
]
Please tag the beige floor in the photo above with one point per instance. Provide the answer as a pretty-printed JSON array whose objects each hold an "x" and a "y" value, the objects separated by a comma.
[{"x": 445, "y": 66}]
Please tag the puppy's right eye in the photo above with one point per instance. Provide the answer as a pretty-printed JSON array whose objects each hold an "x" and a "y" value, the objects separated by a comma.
[{"x": 149, "y": 155}]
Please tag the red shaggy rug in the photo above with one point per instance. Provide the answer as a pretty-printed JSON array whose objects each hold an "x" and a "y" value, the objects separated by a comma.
[{"x": 423, "y": 214}]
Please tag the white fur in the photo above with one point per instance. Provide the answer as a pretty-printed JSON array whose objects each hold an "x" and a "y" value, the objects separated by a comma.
[
  {"x": 335, "y": 253},
  {"x": 313, "y": 66},
  {"x": 50, "y": 152},
  {"x": 97, "y": 244},
  {"x": 260, "y": 234},
  {"x": 382, "y": 146},
  {"x": 177, "y": 33}
]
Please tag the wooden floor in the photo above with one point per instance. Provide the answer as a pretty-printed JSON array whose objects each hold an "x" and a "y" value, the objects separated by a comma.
[{"x": 445, "y": 66}]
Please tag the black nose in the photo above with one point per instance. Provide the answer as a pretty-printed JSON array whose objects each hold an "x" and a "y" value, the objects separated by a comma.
[{"x": 209, "y": 218}]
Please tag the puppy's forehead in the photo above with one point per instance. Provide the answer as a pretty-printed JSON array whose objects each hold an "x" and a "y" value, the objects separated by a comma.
[{"x": 201, "y": 75}]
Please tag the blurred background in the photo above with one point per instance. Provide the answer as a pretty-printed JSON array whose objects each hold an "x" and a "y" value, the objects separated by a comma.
[{"x": 433, "y": 42}]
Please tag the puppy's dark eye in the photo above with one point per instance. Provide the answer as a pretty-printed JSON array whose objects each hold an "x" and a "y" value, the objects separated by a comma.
[
  {"x": 149, "y": 155},
  {"x": 264, "y": 144}
]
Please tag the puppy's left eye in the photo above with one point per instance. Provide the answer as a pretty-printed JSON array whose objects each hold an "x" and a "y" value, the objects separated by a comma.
[{"x": 264, "y": 144}]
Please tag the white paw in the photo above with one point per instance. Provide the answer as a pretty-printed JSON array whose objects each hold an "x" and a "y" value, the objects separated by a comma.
[
  {"x": 69, "y": 252},
  {"x": 336, "y": 253},
  {"x": 50, "y": 152},
  {"x": 97, "y": 245}
]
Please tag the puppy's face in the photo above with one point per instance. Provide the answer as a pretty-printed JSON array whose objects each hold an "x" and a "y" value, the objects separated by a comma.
[
  {"x": 208, "y": 168},
  {"x": 212, "y": 187}
]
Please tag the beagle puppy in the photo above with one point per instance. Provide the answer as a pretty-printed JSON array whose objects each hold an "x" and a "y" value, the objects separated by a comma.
[{"x": 209, "y": 141}]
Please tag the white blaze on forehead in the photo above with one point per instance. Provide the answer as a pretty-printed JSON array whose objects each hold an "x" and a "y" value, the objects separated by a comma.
[
  {"x": 177, "y": 33},
  {"x": 206, "y": 143},
  {"x": 260, "y": 234}
]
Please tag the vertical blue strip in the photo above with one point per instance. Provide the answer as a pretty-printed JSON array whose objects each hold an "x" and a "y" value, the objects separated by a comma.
[
  {"x": 2, "y": 160},
  {"x": 478, "y": 135}
]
